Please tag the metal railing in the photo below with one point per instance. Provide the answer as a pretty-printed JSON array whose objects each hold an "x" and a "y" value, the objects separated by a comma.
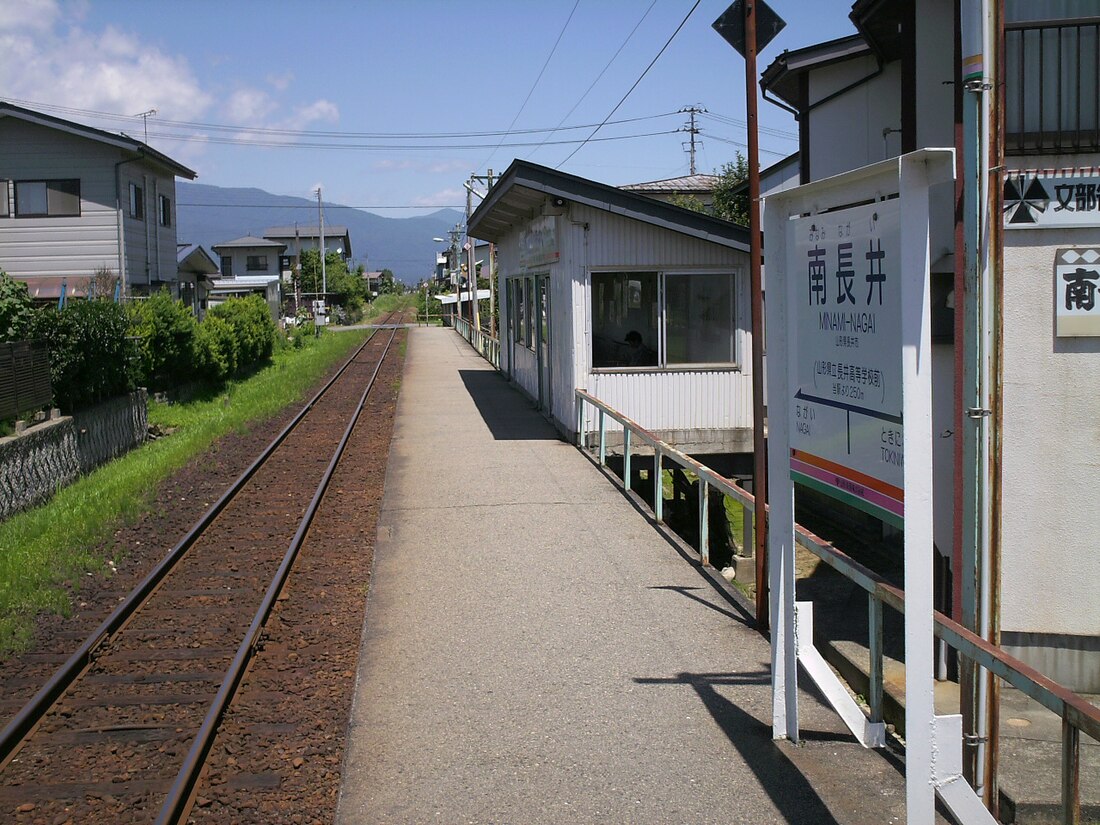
[
  {"x": 1077, "y": 714},
  {"x": 1052, "y": 91},
  {"x": 479, "y": 339}
]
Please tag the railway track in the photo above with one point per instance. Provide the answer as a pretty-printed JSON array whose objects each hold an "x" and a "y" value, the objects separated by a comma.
[{"x": 121, "y": 731}]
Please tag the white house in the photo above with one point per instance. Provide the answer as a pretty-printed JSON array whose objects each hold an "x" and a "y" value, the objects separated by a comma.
[
  {"x": 891, "y": 89},
  {"x": 641, "y": 303},
  {"x": 76, "y": 200},
  {"x": 248, "y": 265},
  {"x": 195, "y": 269}
]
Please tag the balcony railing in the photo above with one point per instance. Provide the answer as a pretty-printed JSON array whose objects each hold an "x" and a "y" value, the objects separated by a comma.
[{"x": 1052, "y": 86}]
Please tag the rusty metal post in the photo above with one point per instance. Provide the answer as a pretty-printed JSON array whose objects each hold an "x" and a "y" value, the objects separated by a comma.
[{"x": 759, "y": 466}]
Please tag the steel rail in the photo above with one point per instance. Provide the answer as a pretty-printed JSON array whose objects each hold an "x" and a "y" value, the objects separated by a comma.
[
  {"x": 177, "y": 804},
  {"x": 28, "y": 717}
]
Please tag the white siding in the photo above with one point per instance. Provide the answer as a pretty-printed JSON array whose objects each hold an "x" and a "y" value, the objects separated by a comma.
[
  {"x": 69, "y": 247},
  {"x": 75, "y": 247},
  {"x": 846, "y": 133},
  {"x": 240, "y": 254},
  {"x": 590, "y": 239}
]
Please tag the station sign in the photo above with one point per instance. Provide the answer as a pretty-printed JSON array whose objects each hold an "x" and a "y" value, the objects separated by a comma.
[{"x": 844, "y": 334}]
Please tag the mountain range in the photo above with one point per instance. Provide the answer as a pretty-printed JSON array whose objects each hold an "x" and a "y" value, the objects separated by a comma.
[{"x": 214, "y": 214}]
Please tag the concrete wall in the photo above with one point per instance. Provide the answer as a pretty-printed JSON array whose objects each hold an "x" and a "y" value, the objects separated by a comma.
[
  {"x": 35, "y": 463},
  {"x": 1051, "y": 435}
]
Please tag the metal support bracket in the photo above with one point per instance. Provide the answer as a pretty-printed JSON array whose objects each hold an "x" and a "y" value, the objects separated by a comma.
[
  {"x": 870, "y": 734},
  {"x": 947, "y": 773}
]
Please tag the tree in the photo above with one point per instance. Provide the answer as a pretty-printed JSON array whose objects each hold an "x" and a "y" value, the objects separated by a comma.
[
  {"x": 731, "y": 199},
  {"x": 344, "y": 289},
  {"x": 16, "y": 308}
]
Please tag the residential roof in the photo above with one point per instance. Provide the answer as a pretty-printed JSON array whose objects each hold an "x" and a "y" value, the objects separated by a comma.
[
  {"x": 119, "y": 140},
  {"x": 244, "y": 282},
  {"x": 192, "y": 257},
  {"x": 687, "y": 183},
  {"x": 249, "y": 241},
  {"x": 524, "y": 186},
  {"x": 781, "y": 78}
]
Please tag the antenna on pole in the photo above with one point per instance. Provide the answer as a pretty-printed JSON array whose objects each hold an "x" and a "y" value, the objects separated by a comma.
[
  {"x": 692, "y": 130},
  {"x": 145, "y": 120}
]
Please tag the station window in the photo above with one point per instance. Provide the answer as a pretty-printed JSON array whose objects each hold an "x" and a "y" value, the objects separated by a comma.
[
  {"x": 519, "y": 310},
  {"x": 657, "y": 319}
]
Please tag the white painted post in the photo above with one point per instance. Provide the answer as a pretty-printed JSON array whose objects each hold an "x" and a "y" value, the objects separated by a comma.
[
  {"x": 704, "y": 522},
  {"x": 916, "y": 366}
]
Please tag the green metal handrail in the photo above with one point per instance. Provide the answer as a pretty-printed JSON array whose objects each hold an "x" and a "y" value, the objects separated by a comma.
[
  {"x": 485, "y": 344},
  {"x": 1078, "y": 715}
]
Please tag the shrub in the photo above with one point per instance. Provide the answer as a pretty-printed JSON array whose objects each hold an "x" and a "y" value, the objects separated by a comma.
[
  {"x": 166, "y": 331},
  {"x": 16, "y": 309},
  {"x": 216, "y": 349},
  {"x": 91, "y": 358},
  {"x": 252, "y": 325}
]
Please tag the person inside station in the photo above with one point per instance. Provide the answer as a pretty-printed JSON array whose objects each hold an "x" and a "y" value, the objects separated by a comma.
[{"x": 637, "y": 353}]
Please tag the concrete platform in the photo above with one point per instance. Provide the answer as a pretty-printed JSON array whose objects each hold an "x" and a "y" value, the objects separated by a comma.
[{"x": 535, "y": 651}]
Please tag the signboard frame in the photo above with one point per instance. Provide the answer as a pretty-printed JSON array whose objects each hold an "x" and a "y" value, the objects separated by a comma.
[{"x": 909, "y": 178}]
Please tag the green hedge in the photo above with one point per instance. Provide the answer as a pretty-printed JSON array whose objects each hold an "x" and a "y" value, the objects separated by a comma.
[{"x": 165, "y": 329}]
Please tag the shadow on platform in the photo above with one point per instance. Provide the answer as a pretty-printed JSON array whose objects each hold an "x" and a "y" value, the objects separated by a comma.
[{"x": 508, "y": 414}]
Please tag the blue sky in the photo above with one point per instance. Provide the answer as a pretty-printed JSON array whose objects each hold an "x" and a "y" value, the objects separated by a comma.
[{"x": 420, "y": 68}]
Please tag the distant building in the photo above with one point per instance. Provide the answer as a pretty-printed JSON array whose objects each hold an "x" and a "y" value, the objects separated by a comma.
[
  {"x": 248, "y": 265},
  {"x": 195, "y": 268},
  {"x": 298, "y": 238},
  {"x": 700, "y": 187},
  {"x": 76, "y": 200}
]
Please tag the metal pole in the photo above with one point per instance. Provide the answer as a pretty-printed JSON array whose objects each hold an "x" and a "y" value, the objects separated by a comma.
[
  {"x": 759, "y": 471},
  {"x": 321, "y": 245},
  {"x": 492, "y": 276},
  {"x": 471, "y": 263}
]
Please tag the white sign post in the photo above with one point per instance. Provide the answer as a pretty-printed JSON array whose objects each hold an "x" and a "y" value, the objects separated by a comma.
[{"x": 850, "y": 415}]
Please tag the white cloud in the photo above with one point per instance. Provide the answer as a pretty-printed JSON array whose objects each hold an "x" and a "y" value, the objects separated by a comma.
[
  {"x": 441, "y": 198},
  {"x": 33, "y": 15},
  {"x": 248, "y": 107},
  {"x": 281, "y": 81},
  {"x": 324, "y": 110},
  {"x": 435, "y": 166}
]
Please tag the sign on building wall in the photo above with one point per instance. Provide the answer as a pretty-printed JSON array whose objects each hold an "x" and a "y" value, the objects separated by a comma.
[
  {"x": 1076, "y": 278},
  {"x": 846, "y": 414},
  {"x": 1033, "y": 201},
  {"x": 539, "y": 243}
]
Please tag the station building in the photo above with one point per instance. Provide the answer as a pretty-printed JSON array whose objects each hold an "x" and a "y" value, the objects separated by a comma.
[{"x": 642, "y": 303}]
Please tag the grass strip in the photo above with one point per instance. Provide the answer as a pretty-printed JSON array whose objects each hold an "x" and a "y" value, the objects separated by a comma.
[{"x": 44, "y": 551}]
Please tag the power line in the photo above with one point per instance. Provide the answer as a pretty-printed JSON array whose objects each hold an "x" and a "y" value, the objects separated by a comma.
[
  {"x": 634, "y": 86},
  {"x": 327, "y": 206},
  {"x": 390, "y": 146},
  {"x": 533, "y": 85},
  {"x": 311, "y": 133},
  {"x": 744, "y": 146},
  {"x": 592, "y": 85},
  {"x": 782, "y": 133}
]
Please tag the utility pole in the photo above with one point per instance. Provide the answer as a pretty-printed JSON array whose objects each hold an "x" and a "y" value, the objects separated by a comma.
[
  {"x": 471, "y": 263},
  {"x": 321, "y": 245},
  {"x": 692, "y": 130},
  {"x": 488, "y": 181}
]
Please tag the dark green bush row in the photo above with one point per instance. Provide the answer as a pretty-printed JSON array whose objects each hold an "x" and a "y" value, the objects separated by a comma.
[{"x": 99, "y": 349}]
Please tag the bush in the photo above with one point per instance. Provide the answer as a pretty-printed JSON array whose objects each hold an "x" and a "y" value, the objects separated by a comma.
[
  {"x": 91, "y": 358},
  {"x": 166, "y": 332},
  {"x": 252, "y": 325},
  {"x": 16, "y": 309},
  {"x": 216, "y": 350}
]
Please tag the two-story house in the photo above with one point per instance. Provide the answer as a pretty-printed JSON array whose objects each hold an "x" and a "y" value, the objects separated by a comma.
[
  {"x": 296, "y": 239},
  {"x": 248, "y": 265},
  {"x": 75, "y": 201},
  {"x": 900, "y": 84}
]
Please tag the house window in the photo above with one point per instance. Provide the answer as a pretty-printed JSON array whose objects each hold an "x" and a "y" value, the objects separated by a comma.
[
  {"x": 47, "y": 198},
  {"x": 165, "y": 210},
  {"x": 657, "y": 319},
  {"x": 4, "y": 212},
  {"x": 256, "y": 263},
  {"x": 137, "y": 202},
  {"x": 227, "y": 266}
]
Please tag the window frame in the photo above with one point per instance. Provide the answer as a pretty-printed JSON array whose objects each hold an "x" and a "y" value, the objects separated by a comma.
[
  {"x": 226, "y": 271},
  {"x": 72, "y": 190},
  {"x": 261, "y": 263},
  {"x": 735, "y": 276},
  {"x": 164, "y": 210},
  {"x": 137, "y": 202},
  {"x": 5, "y": 198}
]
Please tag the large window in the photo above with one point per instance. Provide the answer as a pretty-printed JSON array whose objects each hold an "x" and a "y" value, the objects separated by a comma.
[
  {"x": 657, "y": 319},
  {"x": 47, "y": 198},
  {"x": 256, "y": 263}
]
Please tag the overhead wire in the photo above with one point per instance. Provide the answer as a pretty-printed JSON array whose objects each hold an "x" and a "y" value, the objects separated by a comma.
[
  {"x": 546, "y": 63},
  {"x": 592, "y": 136},
  {"x": 607, "y": 66}
]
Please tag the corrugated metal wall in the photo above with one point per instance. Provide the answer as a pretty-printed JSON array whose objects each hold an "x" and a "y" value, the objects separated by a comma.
[{"x": 669, "y": 399}]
